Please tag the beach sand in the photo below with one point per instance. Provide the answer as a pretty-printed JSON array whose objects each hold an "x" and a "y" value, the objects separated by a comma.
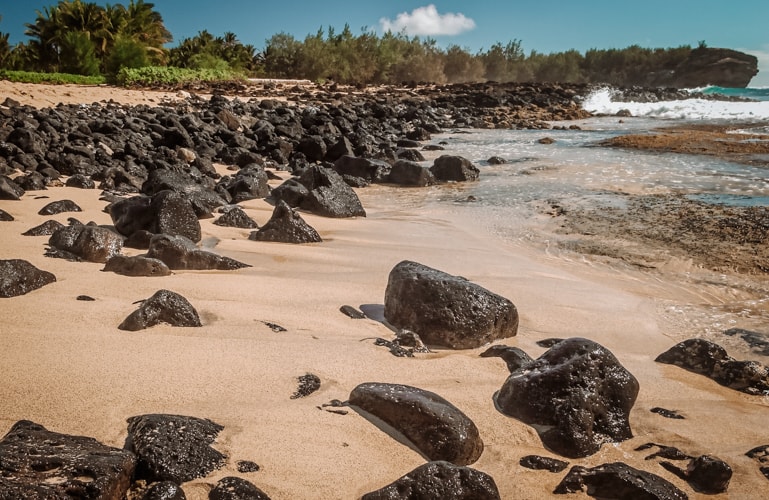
[{"x": 67, "y": 366}]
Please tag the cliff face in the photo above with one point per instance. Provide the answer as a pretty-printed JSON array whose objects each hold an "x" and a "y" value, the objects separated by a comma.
[{"x": 709, "y": 66}]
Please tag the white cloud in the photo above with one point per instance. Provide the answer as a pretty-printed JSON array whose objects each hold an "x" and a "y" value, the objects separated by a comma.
[{"x": 426, "y": 21}]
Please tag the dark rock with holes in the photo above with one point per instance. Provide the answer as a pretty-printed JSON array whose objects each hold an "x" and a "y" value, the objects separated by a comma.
[
  {"x": 139, "y": 239},
  {"x": 706, "y": 474},
  {"x": 437, "y": 428},
  {"x": 136, "y": 266},
  {"x": 167, "y": 212},
  {"x": 761, "y": 455},
  {"x": 250, "y": 182},
  {"x": 410, "y": 173},
  {"x": 618, "y": 481},
  {"x": 38, "y": 463},
  {"x": 5, "y": 216},
  {"x": 514, "y": 357},
  {"x": 59, "y": 207},
  {"x": 286, "y": 226},
  {"x": 496, "y": 160},
  {"x": 178, "y": 252},
  {"x": 308, "y": 383},
  {"x": 164, "y": 306},
  {"x": 245, "y": 466},
  {"x": 19, "y": 277},
  {"x": 710, "y": 359},
  {"x": 448, "y": 168},
  {"x": 89, "y": 243},
  {"x": 234, "y": 216},
  {"x": 9, "y": 190},
  {"x": 33, "y": 181},
  {"x": 173, "y": 447},
  {"x": 537, "y": 462},
  {"x": 80, "y": 181},
  {"x": 446, "y": 310},
  {"x": 235, "y": 488},
  {"x": 366, "y": 168},
  {"x": 442, "y": 480},
  {"x": 577, "y": 395},
  {"x": 47, "y": 228},
  {"x": 328, "y": 195},
  {"x": 164, "y": 490},
  {"x": 409, "y": 155},
  {"x": 292, "y": 192}
]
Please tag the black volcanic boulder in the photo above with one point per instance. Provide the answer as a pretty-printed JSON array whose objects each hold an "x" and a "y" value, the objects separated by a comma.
[
  {"x": 164, "y": 490},
  {"x": 59, "y": 207},
  {"x": 706, "y": 474},
  {"x": 164, "y": 306},
  {"x": 409, "y": 173},
  {"x": 38, "y": 463},
  {"x": 136, "y": 266},
  {"x": 9, "y": 190},
  {"x": 454, "y": 168},
  {"x": 179, "y": 253},
  {"x": 19, "y": 277},
  {"x": 167, "y": 212},
  {"x": 248, "y": 183},
  {"x": 86, "y": 242},
  {"x": 328, "y": 195},
  {"x": 514, "y": 357},
  {"x": 173, "y": 447},
  {"x": 5, "y": 216},
  {"x": 618, "y": 481},
  {"x": 292, "y": 192},
  {"x": 446, "y": 310},
  {"x": 710, "y": 359},
  {"x": 80, "y": 181},
  {"x": 234, "y": 216},
  {"x": 47, "y": 228},
  {"x": 365, "y": 168},
  {"x": 436, "y": 427},
  {"x": 235, "y": 488},
  {"x": 439, "y": 480},
  {"x": 577, "y": 395},
  {"x": 286, "y": 226}
]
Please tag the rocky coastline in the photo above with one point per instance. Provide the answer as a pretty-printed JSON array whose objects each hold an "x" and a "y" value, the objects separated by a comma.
[{"x": 165, "y": 172}]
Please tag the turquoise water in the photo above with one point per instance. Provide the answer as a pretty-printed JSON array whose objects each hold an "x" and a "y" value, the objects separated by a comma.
[{"x": 755, "y": 93}]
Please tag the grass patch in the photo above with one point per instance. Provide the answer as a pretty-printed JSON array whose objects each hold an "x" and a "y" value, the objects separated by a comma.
[
  {"x": 152, "y": 76},
  {"x": 52, "y": 78}
]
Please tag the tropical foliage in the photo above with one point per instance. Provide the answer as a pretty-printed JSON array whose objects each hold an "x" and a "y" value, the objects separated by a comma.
[{"x": 80, "y": 37}]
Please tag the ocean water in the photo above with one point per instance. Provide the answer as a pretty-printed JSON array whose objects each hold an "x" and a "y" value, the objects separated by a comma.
[{"x": 508, "y": 199}]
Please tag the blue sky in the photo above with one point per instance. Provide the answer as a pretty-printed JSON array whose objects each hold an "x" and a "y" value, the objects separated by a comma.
[{"x": 541, "y": 25}]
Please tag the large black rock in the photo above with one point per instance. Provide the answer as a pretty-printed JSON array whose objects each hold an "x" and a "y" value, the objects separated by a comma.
[
  {"x": 454, "y": 168},
  {"x": 234, "y": 216},
  {"x": 577, "y": 395},
  {"x": 179, "y": 252},
  {"x": 173, "y": 447},
  {"x": 47, "y": 228},
  {"x": 86, "y": 242},
  {"x": 167, "y": 212},
  {"x": 163, "y": 307},
  {"x": 37, "y": 463},
  {"x": 286, "y": 226},
  {"x": 365, "y": 168},
  {"x": 249, "y": 182},
  {"x": 710, "y": 359},
  {"x": 439, "y": 480},
  {"x": 328, "y": 195},
  {"x": 59, "y": 207},
  {"x": 446, "y": 310},
  {"x": 436, "y": 427},
  {"x": 9, "y": 190},
  {"x": 19, "y": 277},
  {"x": 618, "y": 481},
  {"x": 410, "y": 173},
  {"x": 5, "y": 216}
]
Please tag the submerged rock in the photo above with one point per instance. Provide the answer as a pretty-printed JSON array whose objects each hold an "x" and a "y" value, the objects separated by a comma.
[
  {"x": 38, "y": 463},
  {"x": 514, "y": 357},
  {"x": 437, "y": 428},
  {"x": 163, "y": 307},
  {"x": 173, "y": 447},
  {"x": 19, "y": 277},
  {"x": 543, "y": 463},
  {"x": 454, "y": 168},
  {"x": 446, "y": 310},
  {"x": 439, "y": 480},
  {"x": 136, "y": 266},
  {"x": 577, "y": 395}
]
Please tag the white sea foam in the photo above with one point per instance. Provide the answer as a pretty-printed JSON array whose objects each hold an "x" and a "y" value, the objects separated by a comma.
[{"x": 600, "y": 102}]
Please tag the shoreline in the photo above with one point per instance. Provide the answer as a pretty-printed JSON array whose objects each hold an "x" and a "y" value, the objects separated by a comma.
[{"x": 72, "y": 371}]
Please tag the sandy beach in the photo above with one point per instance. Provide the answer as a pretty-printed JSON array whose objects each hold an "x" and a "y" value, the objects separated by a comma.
[{"x": 67, "y": 366}]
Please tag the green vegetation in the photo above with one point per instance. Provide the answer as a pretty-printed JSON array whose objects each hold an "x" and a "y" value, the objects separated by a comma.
[
  {"x": 53, "y": 78},
  {"x": 126, "y": 44}
]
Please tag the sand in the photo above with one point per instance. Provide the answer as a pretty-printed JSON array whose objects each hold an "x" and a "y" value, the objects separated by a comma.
[{"x": 67, "y": 366}]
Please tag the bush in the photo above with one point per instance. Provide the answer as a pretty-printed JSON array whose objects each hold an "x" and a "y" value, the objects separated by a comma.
[
  {"x": 126, "y": 53},
  {"x": 78, "y": 56},
  {"x": 50, "y": 78},
  {"x": 152, "y": 76}
]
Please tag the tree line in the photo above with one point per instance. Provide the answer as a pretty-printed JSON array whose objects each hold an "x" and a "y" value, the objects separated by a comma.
[{"x": 83, "y": 38}]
